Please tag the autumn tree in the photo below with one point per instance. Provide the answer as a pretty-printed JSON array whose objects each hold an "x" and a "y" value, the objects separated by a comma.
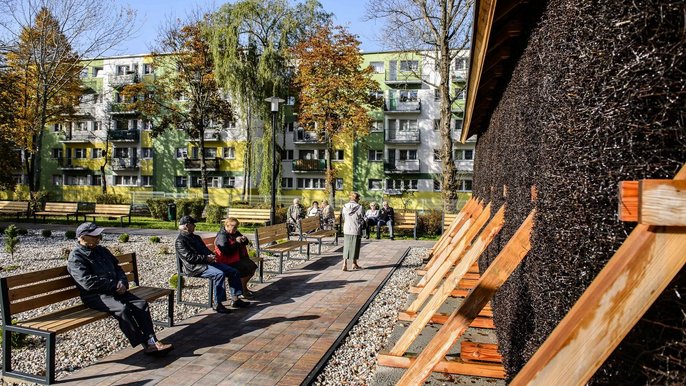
[
  {"x": 250, "y": 41},
  {"x": 335, "y": 92},
  {"x": 438, "y": 31},
  {"x": 10, "y": 162},
  {"x": 186, "y": 94},
  {"x": 50, "y": 41}
]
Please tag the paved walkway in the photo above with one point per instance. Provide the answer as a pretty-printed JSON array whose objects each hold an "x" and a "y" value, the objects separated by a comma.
[{"x": 296, "y": 319}]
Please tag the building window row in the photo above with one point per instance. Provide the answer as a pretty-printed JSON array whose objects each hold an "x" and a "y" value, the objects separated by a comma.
[
  {"x": 212, "y": 182},
  {"x": 210, "y": 152}
]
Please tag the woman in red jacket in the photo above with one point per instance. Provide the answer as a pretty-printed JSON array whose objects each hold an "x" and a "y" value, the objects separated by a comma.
[{"x": 231, "y": 248}]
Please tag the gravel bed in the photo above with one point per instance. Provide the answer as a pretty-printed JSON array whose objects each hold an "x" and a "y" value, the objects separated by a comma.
[
  {"x": 354, "y": 362},
  {"x": 85, "y": 345}
]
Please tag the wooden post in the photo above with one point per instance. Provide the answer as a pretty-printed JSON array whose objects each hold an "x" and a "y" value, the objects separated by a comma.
[
  {"x": 485, "y": 352},
  {"x": 445, "y": 237},
  {"x": 662, "y": 202},
  {"x": 628, "y": 201},
  {"x": 461, "y": 226}
]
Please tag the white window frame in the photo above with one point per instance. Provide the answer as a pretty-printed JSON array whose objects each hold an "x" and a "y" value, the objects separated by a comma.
[
  {"x": 377, "y": 155},
  {"x": 229, "y": 182},
  {"x": 181, "y": 152},
  {"x": 372, "y": 182},
  {"x": 287, "y": 182},
  {"x": 408, "y": 66},
  {"x": 229, "y": 152},
  {"x": 378, "y": 67},
  {"x": 146, "y": 180},
  {"x": 183, "y": 179}
]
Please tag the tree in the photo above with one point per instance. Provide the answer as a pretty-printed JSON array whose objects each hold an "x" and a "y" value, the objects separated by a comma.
[
  {"x": 438, "y": 31},
  {"x": 250, "y": 41},
  {"x": 50, "y": 41},
  {"x": 9, "y": 96},
  {"x": 335, "y": 92},
  {"x": 186, "y": 94}
]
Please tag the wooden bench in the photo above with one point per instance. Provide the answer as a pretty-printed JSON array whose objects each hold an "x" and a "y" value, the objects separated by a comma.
[
  {"x": 250, "y": 215},
  {"x": 47, "y": 287},
  {"x": 448, "y": 219},
  {"x": 275, "y": 239},
  {"x": 310, "y": 228},
  {"x": 111, "y": 211},
  {"x": 404, "y": 221},
  {"x": 59, "y": 209},
  {"x": 15, "y": 208}
]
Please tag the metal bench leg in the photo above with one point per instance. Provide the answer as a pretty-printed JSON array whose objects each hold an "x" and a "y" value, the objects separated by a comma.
[
  {"x": 308, "y": 250},
  {"x": 319, "y": 251},
  {"x": 281, "y": 261},
  {"x": 6, "y": 351},
  {"x": 170, "y": 309},
  {"x": 50, "y": 358},
  {"x": 261, "y": 267}
]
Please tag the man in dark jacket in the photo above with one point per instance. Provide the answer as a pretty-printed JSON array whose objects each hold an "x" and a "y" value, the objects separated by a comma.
[
  {"x": 197, "y": 260},
  {"x": 104, "y": 287},
  {"x": 386, "y": 217}
]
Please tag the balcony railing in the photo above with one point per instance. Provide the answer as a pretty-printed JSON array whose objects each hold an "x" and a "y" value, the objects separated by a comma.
[
  {"x": 78, "y": 137},
  {"x": 398, "y": 77},
  {"x": 458, "y": 76},
  {"x": 125, "y": 135},
  {"x": 457, "y": 136},
  {"x": 120, "y": 108},
  {"x": 125, "y": 163},
  {"x": 464, "y": 165},
  {"x": 396, "y": 105},
  {"x": 68, "y": 163},
  {"x": 122, "y": 80},
  {"x": 402, "y": 136},
  {"x": 194, "y": 164},
  {"x": 404, "y": 166},
  {"x": 304, "y": 136},
  {"x": 309, "y": 165}
]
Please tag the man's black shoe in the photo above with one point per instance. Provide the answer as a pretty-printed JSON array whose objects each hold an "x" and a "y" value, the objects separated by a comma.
[
  {"x": 240, "y": 303},
  {"x": 220, "y": 309}
]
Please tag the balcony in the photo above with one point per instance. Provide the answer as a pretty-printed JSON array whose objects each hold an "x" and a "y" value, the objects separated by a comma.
[
  {"x": 121, "y": 108},
  {"x": 78, "y": 137},
  {"x": 125, "y": 163},
  {"x": 124, "y": 135},
  {"x": 458, "y": 76},
  {"x": 210, "y": 135},
  {"x": 68, "y": 164},
  {"x": 402, "y": 136},
  {"x": 123, "y": 79},
  {"x": 396, "y": 105},
  {"x": 395, "y": 77},
  {"x": 301, "y": 136},
  {"x": 86, "y": 110},
  {"x": 457, "y": 135},
  {"x": 193, "y": 164},
  {"x": 309, "y": 165},
  {"x": 402, "y": 166},
  {"x": 464, "y": 165}
]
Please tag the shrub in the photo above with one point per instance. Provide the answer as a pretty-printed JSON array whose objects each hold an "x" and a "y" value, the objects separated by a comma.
[
  {"x": 190, "y": 207},
  {"x": 252, "y": 253},
  {"x": 10, "y": 267},
  {"x": 116, "y": 250},
  {"x": 158, "y": 207},
  {"x": 46, "y": 233},
  {"x": 430, "y": 223},
  {"x": 38, "y": 200},
  {"x": 280, "y": 215},
  {"x": 18, "y": 340},
  {"x": 11, "y": 240},
  {"x": 22, "y": 231},
  {"x": 124, "y": 238},
  {"x": 173, "y": 281},
  {"x": 70, "y": 235},
  {"x": 107, "y": 198},
  {"x": 214, "y": 214},
  {"x": 154, "y": 239}
]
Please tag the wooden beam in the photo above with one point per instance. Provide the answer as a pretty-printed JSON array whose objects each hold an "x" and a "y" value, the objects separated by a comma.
[
  {"x": 482, "y": 321},
  {"x": 483, "y": 352},
  {"x": 662, "y": 202},
  {"x": 442, "y": 293},
  {"x": 497, "y": 273},
  {"x": 628, "y": 201},
  {"x": 460, "y": 226},
  {"x": 474, "y": 269},
  {"x": 534, "y": 193},
  {"x": 445, "y": 237},
  {"x": 463, "y": 283},
  {"x": 448, "y": 365},
  {"x": 634, "y": 277}
]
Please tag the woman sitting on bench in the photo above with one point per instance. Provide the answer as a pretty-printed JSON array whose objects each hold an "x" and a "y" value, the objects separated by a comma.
[{"x": 230, "y": 247}]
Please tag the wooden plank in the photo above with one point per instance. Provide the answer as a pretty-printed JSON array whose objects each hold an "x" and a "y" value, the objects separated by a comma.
[
  {"x": 497, "y": 273},
  {"x": 463, "y": 283},
  {"x": 458, "y": 222},
  {"x": 483, "y": 352},
  {"x": 17, "y": 294},
  {"x": 662, "y": 202},
  {"x": 440, "y": 318},
  {"x": 628, "y": 201},
  {"x": 473, "y": 269},
  {"x": 43, "y": 301},
  {"x": 448, "y": 365},
  {"x": 36, "y": 276},
  {"x": 442, "y": 293}
]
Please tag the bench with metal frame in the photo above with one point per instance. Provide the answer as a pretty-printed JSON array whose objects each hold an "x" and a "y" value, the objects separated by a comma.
[
  {"x": 310, "y": 228},
  {"x": 111, "y": 211},
  {"x": 59, "y": 209},
  {"x": 250, "y": 215},
  {"x": 275, "y": 239},
  {"x": 15, "y": 208}
]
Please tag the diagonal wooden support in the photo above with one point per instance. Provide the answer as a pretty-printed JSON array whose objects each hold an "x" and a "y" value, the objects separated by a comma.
[
  {"x": 497, "y": 273},
  {"x": 442, "y": 293},
  {"x": 464, "y": 255},
  {"x": 631, "y": 281},
  {"x": 448, "y": 365},
  {"x": 464, "y": 283},
  {"x": 447, "y": 233},
  {"x": 467, "y": 212}
]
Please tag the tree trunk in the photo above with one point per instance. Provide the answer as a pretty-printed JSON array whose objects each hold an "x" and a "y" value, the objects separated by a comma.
[
  {"x": 330, "y": 173},
  {"x": 449, "y": 185},
  {"x": 103, "y": 180},
  {"x": 203, "y": 167},
  {"x": 247, "y": 158},
  {"x": 39, "y": 139}
]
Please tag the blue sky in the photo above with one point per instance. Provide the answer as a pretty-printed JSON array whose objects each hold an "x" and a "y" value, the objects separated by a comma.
[{"x": 152, "y": 13}]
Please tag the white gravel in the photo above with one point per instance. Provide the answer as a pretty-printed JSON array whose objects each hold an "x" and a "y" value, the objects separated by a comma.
[
  {"x": 354, "y": 362},
  {"x": 87, "y": 344}
]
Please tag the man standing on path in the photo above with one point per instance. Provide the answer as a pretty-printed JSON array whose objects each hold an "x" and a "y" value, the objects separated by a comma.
[
  {"x": 104, "y": 287},
  {"x": 295, "y": 213},
  {"x": 353, "y": 219},
  {"x": 386, "y": 217},
  {"x": 198, "y": 260}
]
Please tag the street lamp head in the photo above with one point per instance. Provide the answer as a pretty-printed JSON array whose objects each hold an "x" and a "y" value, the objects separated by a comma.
[{"x": 275, "y": 103}]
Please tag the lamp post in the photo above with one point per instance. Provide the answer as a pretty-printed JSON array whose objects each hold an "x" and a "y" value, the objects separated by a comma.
[{"x": 275, "y": 109}]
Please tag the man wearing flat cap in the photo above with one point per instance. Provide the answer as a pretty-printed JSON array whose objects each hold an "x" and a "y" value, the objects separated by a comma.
[
  {"x": 198, "y": 260},
  {"x": 104, "y": 287}
]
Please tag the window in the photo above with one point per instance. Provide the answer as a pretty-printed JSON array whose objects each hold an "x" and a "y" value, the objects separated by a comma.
[
  {"x": 76, "y": 180},
  {"x": 230, "y": 152},
  {"x": 56, "y": 153},
  {"x": 437, "y": 94},
  {"x": 460, "y": 64},
  {"x": 375, "y": 155},
  {"x": 214, "y": 182},
  {"x": 408, "y": 125},
  {"x": 97, "y": 153},
  {"x": 122, "y": 70},
  {"x": 464, "y": 154},
  {"x": 181, "y": 152},
  {"x": 57, "y": 179},
  {"x": 146, "y": 180},
  {"x": 147, "y": 68},
  {"x": 57, "y": 127},
  {"x": 196, "y": 182},
  {"x": 339, "y": 184},
  {"x": 287, "y": 183},
  {"x": 97, "y": 125},
  {"x": 79, "y": 153},
  {"x": 311, "y": 183},
  {"x": 458, "y": 124},
  {"x": 407, "y": 154},
  {"x": 374, "y": 184},
  {"x": 437, "y": 124},
  {"x": 290, "y": 126},
  {"x": 312, "y": 154},
  {"x": 146, "y": 153},
  {"x": 96, "y": 180},
  {"x": 126, "y": 180},
  {"x": 377, "y": 126},
  {"x": 459, "y": 94},
  {"x": 409, "y": 65},
  {"x": 401, "y": 184},
  {"x": 210, "y": 152},
  {"x": 378, "y": 94},
  {"x": 437, "y": 186},
  {"x": 377, "y": 67},
  {"x": 121, "y": 152},
  {"x": 181, "y": 181},
  {"x": 84, "y": 72},
  {"x": 287, "y": 155},
  {"x": 96, "y": 71},
  {"x": 437, "y": 154},
  {"x": 229, "y": 182},
  {"x": 465, "y": 185},
  {"x": 147, "y": 125},
  {"x": 337, "y": 155},
  {"x": 408, "y": 96},
  {"x": 290, "y": 100}
]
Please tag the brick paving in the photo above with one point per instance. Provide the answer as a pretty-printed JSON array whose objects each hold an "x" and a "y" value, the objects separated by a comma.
[{"x": 294, "y": 321}]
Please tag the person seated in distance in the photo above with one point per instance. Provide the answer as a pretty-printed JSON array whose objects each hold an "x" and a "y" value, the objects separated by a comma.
[
  {"x": 103, "y": 286},
  {"x": 371, "y": 217},
  {"x": 231, "y": 248}
]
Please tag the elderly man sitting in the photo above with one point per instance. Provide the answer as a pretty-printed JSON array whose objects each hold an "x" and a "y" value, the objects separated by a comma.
[{"x": 198, "y": 260}]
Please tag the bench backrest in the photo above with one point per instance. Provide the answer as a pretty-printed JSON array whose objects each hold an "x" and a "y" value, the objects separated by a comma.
[
  {"x": 15, "y": 205},
  {"x": 117, "y": 209},
  {"x": 209, "y": 242},
  {"x": 247, "y": 214},
  {"x": 265, "y": 235},
  {"x": 32, "y": 290},
  {"x": 71, "y": 207},
  {"x": 309, "y": 224},
  {"x": 448, "y": 219},
  {"x": 337, "y": 217},
  {"x": 405, "y": 218}
]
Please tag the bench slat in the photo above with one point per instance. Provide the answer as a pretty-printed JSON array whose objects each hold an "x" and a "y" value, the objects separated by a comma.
[
  {"x": 33, "y": 277},
  {"x": 43, "y": 301},
  {"x": 286, "y": 246}
]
